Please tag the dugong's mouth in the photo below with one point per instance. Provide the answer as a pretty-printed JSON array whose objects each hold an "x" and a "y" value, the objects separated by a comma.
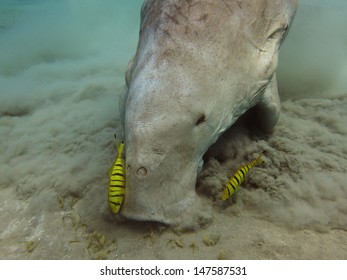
[{"x": 160, "y": 212}]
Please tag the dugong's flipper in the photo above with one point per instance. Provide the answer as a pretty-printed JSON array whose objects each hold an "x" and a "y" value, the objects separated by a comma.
[{"x": 268, "y": 109}]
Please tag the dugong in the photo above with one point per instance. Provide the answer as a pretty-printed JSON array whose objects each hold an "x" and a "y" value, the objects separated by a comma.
[{"x": 199, "y": 66}]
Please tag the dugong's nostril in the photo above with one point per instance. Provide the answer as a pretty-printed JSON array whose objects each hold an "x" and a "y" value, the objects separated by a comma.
[
  {"x": 201, "y": 119},
  {"x": 141, "y": 172}
]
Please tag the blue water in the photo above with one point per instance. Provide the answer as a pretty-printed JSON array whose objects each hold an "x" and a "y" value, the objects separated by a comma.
[
  {"x": 313, "y": 59},
  {"x": 33, "y": 32}
]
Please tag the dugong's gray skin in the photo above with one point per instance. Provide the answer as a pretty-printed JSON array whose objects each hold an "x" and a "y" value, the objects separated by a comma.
[{"x": 199, "y": 65}]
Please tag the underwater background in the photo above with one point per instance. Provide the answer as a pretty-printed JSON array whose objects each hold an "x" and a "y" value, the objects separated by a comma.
[{"x": 62, "y": 66}]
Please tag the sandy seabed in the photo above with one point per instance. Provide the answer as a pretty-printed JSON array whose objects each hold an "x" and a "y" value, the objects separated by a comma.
[
  {"x": 293, "y": 206},
  {"x": 58, "y": 114}
]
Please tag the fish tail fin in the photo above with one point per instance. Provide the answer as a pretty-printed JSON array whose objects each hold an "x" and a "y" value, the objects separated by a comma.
[
  {"x": 120, "y": 147},
  {"x": 259, "y": 160}
]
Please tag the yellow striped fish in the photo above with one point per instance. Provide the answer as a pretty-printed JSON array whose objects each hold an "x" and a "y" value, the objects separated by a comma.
[
  {"x": 117, "y": 182},
  {"x": 236, "y": 180}
]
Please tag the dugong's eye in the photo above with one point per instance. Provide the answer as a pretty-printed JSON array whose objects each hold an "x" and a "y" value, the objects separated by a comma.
[
  {"x": 279, "y": 32},
  {"x": 200, "y": 120}
]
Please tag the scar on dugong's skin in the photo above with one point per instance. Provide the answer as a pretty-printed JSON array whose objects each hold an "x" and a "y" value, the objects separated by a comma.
[{"x": 199, "y": 65}]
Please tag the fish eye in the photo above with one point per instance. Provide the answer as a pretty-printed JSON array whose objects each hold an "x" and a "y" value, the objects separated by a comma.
[{"x": 200, "y": 120}]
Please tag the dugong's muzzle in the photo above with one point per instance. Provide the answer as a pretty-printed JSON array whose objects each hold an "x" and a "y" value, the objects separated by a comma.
[{"x": 162, "y": 194}]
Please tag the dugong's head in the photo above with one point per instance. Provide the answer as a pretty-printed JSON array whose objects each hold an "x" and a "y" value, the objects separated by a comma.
[
  {"x": 166, "y": 135},
  {"x": 192, "y": 76}
]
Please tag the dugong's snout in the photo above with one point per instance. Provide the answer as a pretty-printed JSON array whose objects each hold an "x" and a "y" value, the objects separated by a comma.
[{"x": 155, "y": 195}]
